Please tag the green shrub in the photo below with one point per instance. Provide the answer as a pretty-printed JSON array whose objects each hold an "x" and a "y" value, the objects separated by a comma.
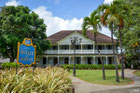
[
  {"x": 9, "y": 65},
  {"x": 43, "y": 80},
  {"x": 90, "y": 66}
]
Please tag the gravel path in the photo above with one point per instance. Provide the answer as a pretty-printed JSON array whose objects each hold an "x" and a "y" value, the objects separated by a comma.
[{"x": 85, "y": 87}]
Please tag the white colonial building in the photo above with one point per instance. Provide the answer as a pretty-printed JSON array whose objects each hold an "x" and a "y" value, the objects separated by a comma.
[{"x": 62, "y": 51}]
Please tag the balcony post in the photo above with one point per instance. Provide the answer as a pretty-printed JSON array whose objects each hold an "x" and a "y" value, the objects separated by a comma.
[
  {"x": 105, "y": 47},
  {"x": 47, "y": 60},
  {"x": 81, "y": 48},
  {"x": 58, "y": 48},
  {"x": 93, "y": 47},
  {"x": 69, "y": 48}
]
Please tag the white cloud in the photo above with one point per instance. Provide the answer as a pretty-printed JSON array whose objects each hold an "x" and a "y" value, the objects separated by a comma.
[
  {"x": 12, "y": 3},
  {"x": 55, "y": 24},
  {"x": 108, "y": 1},
  {"x": 106, "y": 31}
]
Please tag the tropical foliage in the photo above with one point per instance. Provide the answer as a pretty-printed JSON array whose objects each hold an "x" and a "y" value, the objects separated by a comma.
[
  {"x": 49, "y": 80},
  {"x": 17, "y": 23},
  {"x": 131, "y": 31}
]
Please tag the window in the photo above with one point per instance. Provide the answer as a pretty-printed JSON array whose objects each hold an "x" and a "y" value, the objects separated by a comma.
[
  {"x": 99, "y": 47},
  {"x": 78, "y": 47},
  {"x": 64, "y": 47},
  {"x": 109, "y": 47},
  {"x": 88, "y": 47},
  {"x": 54, "y": 47}
]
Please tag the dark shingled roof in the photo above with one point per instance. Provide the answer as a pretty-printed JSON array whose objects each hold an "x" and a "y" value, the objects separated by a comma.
[{"x": 101, "y": 38}]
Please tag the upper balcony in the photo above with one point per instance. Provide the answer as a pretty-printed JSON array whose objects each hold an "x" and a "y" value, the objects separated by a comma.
[
  {"x": 80, "y": 49},
  {"x": 78, "y": 52}
]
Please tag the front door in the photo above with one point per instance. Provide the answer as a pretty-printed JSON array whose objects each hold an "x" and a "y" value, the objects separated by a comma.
[
  {"x": 78, "y": 60},
  {"x": 44, "y": 60},
  {"x": 110, "y": 60},
  {"x": 99, "y": 60},
  {"x": 55, "y": 61},
  {"x": 89, "y": 60},
  {"x": 66, "y": 61}
]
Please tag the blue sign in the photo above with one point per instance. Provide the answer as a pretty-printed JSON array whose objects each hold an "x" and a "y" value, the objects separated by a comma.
[{"x": 26, "y": 55}]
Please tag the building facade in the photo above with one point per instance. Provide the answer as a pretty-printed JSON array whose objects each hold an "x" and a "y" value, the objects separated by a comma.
[{"x": 61, "y": 51}]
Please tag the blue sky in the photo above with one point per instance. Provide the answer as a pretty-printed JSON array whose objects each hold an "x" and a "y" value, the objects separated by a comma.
[{"x": 60, "y": 14}]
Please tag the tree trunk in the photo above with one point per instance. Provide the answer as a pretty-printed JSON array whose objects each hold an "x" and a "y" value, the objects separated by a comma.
[
  {"x": 117, "y": 75},
  {"x": 104, "y": 78},
  {"x": 11, "y": 59},
  {"x": 120, "y": 35},
  {"x": 12, "y": 55}
]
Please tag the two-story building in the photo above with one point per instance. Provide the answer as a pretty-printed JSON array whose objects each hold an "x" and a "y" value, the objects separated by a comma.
[{"x": 62, "y": 51}]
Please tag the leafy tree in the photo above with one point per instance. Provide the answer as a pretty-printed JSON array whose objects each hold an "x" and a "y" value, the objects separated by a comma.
[
  {"x": 93, "y": 21},
  {"x": 130, "y": 31},
  {"x": 19, "y": 22}
]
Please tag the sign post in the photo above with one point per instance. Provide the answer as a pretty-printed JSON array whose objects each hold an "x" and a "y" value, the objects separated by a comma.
[{"x": 26, "y": 53}]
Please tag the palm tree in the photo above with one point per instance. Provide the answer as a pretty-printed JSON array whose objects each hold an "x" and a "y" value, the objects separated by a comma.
[
  {"x": 110, "y": 20},
  {"x": 122, "y": 13},
  {"x": 93, "y": 21}
]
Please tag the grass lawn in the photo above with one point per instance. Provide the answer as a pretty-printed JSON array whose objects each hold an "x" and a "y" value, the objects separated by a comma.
[
  {"x": 95, "y": 76},
  {"x": 137, "y": 73}
]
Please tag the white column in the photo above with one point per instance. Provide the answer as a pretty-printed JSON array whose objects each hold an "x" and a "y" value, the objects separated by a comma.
[
  {"x": 81, "y": 48},
  {"x": 52, "y": 61},
  {"x": 94, "y": 60},
  {"x": 69, "y": 48},
  {"x": 93, "y": 47},
  {"x": 58, "y": 59},
  {"x": 81, "y": 59},
  {"x": 58, "y": 48},
  {"x": 69, "y": 59},
  {"x": 47, "y": 60},
  {"x": 106, "y": 60}
]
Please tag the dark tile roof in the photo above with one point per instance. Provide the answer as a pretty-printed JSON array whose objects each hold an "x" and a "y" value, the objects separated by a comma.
[{"x": 101, "y": 38}]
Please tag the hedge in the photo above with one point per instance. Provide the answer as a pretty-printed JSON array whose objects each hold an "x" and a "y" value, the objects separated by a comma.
[
  {"x": 90, "y": 66},
  {"x": 9, "y": 65}
]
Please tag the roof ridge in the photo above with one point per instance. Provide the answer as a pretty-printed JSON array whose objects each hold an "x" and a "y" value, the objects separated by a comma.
[{"x": 101, "y": 38}]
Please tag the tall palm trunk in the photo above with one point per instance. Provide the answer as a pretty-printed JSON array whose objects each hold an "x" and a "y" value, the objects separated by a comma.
[
  {"x": 104, "y": 78},
  {"x": 120, "y": 35},
  {"x": 114, "y": 58}
]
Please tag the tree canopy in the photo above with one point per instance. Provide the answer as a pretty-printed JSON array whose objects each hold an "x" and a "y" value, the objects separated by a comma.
[
  {"x": 17, "y": 23},
  {"x": 131, "y": 29}
]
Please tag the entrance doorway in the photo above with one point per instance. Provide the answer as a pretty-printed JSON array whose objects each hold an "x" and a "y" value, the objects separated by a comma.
[
  {"x": 110, "y": 60},
  {"x": 78, "y": 60},
  {"x": 44, "y": 60},
  {"x": 89, "y": 60},
  {"x": 55, "y": 61},
  {"x": 66, "y": 61},
  {"x": 99, "y": 60}
]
